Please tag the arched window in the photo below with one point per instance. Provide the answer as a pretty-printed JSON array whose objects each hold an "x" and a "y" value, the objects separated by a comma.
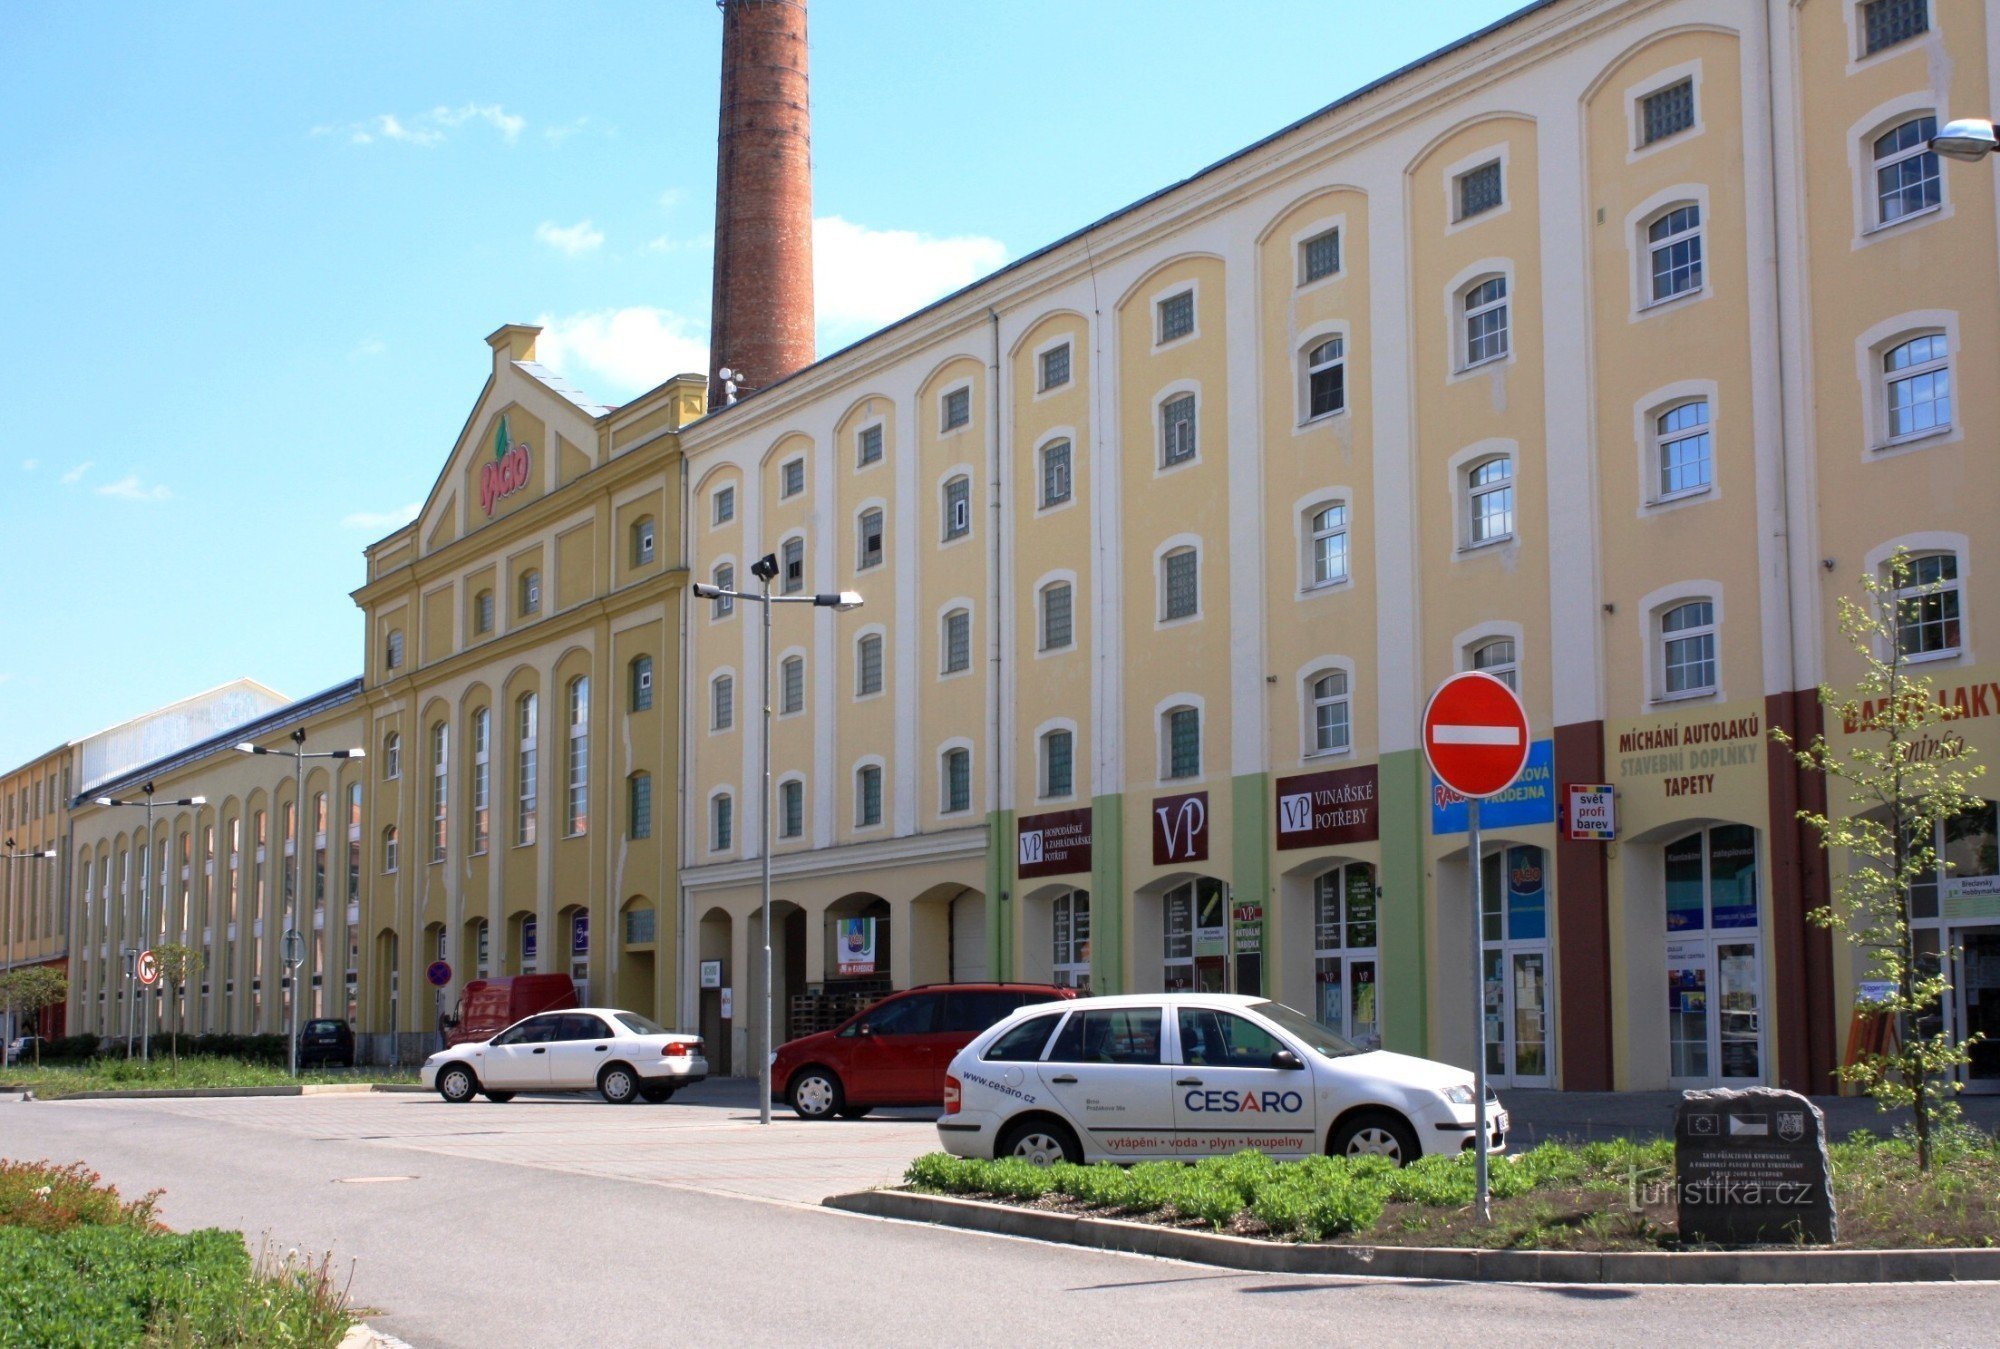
[
  {"x": 1687, "y": 649},
  {"x": 642, "y": 541},
  {"x": 957, "y": 508},
  {"x": 1177, "y": 430},
  {"x": 722, "y": 823},
  {"x": 868, "y": 540},
  {"x": 1496, "y": 657},
  {"x": 1916, "y": 386},
  {"x": 527, "y": 787},
  {"x": 1058, "y": 630},
  {"x": 868, "y": 665},
  {"x": 1058, "y": 763},
  {"x": 482, "y": 612},
  {"x": 791, "y": 685},
  {"x": 389, "y": 849},
  {"x": 1180, "y": 586},
  {"x": 1927, "y": 606},
  {"x": 578, "y": 814},
  {"x": 1328, "y": 728},
  {"x": 793, "y": 556},
  {"x": 1180, "y": 743},
  {"x": 724, "y": 577},
  {"x": 1682, "y": 450},
  {"x": 530, "y": 592},
  {"x": 392, "y": 756},
  {"x": 1326, "y": 545},
  {"x": 1489, "y": 496},
  {"x": 957, "y": 641},
  {"x": 639, "y": 806},
  {"x": 722, "y": 702},
  {"x": 1326, "y": 378},
  {"x": 791, "y": 808},
  {"x": 1056, "y": 484},
  {"x": 867, "y": 796},
  {"x": 392, "y": 649},
  {"x": 641, "y": 678},
  {"x": 1907, "y": 177},
  {"x": 1485, "y": 306},
  {"x": 957, "y": 795},
  {"x": 1673, "y": 249},
  {"x": 440, "y": 780},
  {"x": 482, "y": 758}
]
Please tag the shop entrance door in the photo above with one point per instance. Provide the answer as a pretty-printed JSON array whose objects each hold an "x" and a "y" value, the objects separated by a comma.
[
  {"x": 1515, "y": 968},
  {"x": 1975, "y": 1005},
  {"x": 1714, "y": 951}
]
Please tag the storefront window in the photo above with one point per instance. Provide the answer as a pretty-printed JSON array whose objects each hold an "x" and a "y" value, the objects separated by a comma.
[
  {"x": 1714, "y": 957},
  {"x": 1345, "y": 960},
  {"x": 1194, "y": 919},
  {"x": 1514, "y": 928},
  {"x": 1072, "y": 940}
]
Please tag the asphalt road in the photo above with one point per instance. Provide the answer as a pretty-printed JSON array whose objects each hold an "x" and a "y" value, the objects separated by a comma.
[{"x": 457, "y": 1239}]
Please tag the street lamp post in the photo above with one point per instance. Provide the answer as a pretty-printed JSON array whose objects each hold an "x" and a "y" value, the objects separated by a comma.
[
  {"x": 145, "y": 919},
  {"x": 14, "y": 885},
  {"x": 765, "y": 569},
  {"x": 1968, "y": 138},
  {"x": 291, "y": 947}
]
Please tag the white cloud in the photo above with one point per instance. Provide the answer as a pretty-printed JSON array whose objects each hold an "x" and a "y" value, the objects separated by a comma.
[
  {"x": 666, "y": 243},
  {"x": 670, "y": 199},
  {"x": 615, "y": 353},
  {"x": 30, "y": 465},
  {"x": 864, "y": 278},
  {"x": 426, "y": 128},
  {"x": 575, "y": 240},
  {"x": 129, "y": 488},
  {"x": 75, "y": 475},
  {"x": 556, "y": 135},
  {"x": 367, "y": 347},
  {"x": 382, "y": 521}
]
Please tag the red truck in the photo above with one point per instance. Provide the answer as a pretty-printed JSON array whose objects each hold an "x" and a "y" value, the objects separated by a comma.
[{"x": 488, "y": 1006}]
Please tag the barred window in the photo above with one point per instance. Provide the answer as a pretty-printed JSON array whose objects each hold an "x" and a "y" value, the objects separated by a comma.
[
  {"x": 527, "y": 716},
  {"x": 1179, "y": 585},
  {"x": 1319, "y": 256},
  {"x": 1177, "y": 316},
  {"x": 1888, "y": 22},
  {"x": 868, "y": 665},
  {"x": 957, "y": 641},
  {"x": 793, "y": 555},
  {"x": 957, "y": 508},
  {"x": 792, "y": 478},
  {"x": 1055, "y": 474},
  {"x": 579, "y": 756},
  {"x": 1058, "y": 763},
  {"x": 1183, "y": 737},
  {"x": 868, "y": 543},
  {"x": 482, "y": 612},
  {"x": 956, "y": 409},
  {"x": 725, "y": 579},
  {"x": 642, "y": 542},
  {"x": 722, "y": 702},
  {"x": 640, "y": 793},
  {"x": 791, "y": 809},
  {"x": 1057, "y": 628},
  {"x": 722, "y": 832},
  {"x": 1055, "y": 367},
  {"x": 868, "y": 446},
  {"x": 725, "y": 505},
  {"x": 1177, "y": 430},
  {"x": 792, "y": 684},
  {"x": 1669, "y": 111},
  {"x": 642, "y": 683},
  {"x": 1479, "y": 190},
  {"x": 868, "y": 797},
  {"x": 957, "y": 781}
]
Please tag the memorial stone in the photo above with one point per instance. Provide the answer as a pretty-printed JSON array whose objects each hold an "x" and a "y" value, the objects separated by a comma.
[{"x": 1752, "y": 1167}]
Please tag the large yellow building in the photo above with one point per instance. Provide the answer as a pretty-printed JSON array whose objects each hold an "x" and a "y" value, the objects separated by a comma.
[{"x": 1601, "y": 351}]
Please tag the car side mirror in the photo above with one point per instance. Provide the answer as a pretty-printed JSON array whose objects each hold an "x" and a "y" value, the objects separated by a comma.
[{"x": 1285, "y": 1058}]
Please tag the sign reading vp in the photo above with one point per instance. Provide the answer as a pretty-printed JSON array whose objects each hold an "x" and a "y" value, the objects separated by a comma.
[
  {"x": 507, "y": 472},
  {"x": 1180, "y": 828}
]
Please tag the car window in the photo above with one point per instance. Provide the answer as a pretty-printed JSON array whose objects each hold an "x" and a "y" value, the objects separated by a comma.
[
  {"x": 536, "y": 1030},
  {"x": 1213, "y": 1039},
  {"x": 1022, "y": 1043},
  {"x": 583, "y": 1026},
  {"x": 1109, "y": 1035},
  {"x": 977, "y": 1009},
  {"x": 1304, "y": 1029},
  {"x": 638, "y": 1025},
  {"x": 915, "y": 1015}
]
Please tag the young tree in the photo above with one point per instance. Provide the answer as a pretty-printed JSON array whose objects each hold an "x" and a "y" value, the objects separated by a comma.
[
  {"x": 178, "y": 963},
  {"x": 29, "y": 990},
  {"x": 1902, "y": 784}
]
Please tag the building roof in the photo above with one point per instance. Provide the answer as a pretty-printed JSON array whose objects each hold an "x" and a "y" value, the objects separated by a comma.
[
  {"x": 282, "y": 719},
  {"x": 563, "y": 388}
]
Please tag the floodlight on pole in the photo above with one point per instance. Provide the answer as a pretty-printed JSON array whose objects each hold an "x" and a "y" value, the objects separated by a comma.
[
  {"x": 1969, "y": 139},
  {"x": 145, "y": 1027}
]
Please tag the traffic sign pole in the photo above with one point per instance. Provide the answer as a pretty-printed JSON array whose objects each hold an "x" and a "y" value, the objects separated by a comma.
[{"x": 1483, "y": 1192}]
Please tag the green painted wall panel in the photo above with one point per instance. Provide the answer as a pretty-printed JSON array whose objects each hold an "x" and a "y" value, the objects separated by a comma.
[
  {"x": 1405, "y": 815},
  {"x": 1250, "y": 845},
  {"x": 1000, "y": 880},
  {"x": 1107, "y": 894}
]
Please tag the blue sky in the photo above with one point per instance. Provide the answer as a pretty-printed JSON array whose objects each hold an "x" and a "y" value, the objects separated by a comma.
[{"x": 250, "y": 252}]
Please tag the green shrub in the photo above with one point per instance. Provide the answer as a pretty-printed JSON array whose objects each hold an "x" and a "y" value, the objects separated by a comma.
[
  {"x": 92, "y": 1286},
  {"x": 43, "y": 1197},
  {"x": 944, "y": 1173},
  {"x": 1104, "y": 1185}
]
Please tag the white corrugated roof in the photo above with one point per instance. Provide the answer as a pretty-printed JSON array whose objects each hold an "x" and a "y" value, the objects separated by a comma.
[{"x": 557, "y": 384}]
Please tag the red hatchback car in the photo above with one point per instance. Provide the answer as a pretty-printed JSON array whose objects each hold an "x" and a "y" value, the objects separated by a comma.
[{"x": 895, "y": 1053}]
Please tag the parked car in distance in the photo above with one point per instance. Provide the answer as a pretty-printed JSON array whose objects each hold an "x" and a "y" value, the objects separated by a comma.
[
  {"x": 488, "y": 1006},
  {"x": 328, "y": 1041},
  {"x": 1177, "y": 1076},
  {"x": 621, "y": 1055},
  {"x": 896, "y": 1051},
  {"x": 21, "y": 1049}
]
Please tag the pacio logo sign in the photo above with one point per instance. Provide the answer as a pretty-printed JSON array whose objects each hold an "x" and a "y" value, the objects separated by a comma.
[
  {"x": 1244, "y": 1102},
  {"x": 507, "y": 473}
]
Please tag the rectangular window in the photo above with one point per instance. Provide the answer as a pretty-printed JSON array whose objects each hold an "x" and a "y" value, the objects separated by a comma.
[
  {"x": 642, "y": 684},
  {"x": 642, "y": 543},
  {"x": 1492, "y": 500},
  {"x": 1888, "y": 22},
  {"x": 957, "y": 781},
  {"x": 794, "y": 556},
  {"x": 482, "y": 610},
  {"x": 1055, "y": 367},
  {"x": 791, "y": 809},
  {"x": 1319, "y": 256},
  {"x": 1055, "y": 474},
  {"x": 642, "y": 806},
  {"x": 792, "y": 684},
  {"x": 868, "y": 547},
  {"x": 1688, "y": 646},
  {"x": 868, "y": 797},
  {"x": 868, "y": 666},
  {"x": 1181, "y": 586},
  {"x": 579, "y": 756},
  {"x": 1927, "y": 621},
  {"x": 1669, "y": 111},
  {"x": 868, "y": 446},
  {"x": 1177, "y": 433},
  {"x": 1908, "y": 178},
  {"x": 792, "y": 478},
  {"x": 957, "y": 508},
  {"x": 1486, "y": 321},
  {"x": 526, "y": 785},
  {"x": 724, "y": 698},
  {"x": 1478, "y": 190},
  {"x": 1176, "y": 316},
  {"x": 957, "y": 641},
  {"x": 1184, "y": 743},
  {"x": 1328, "y": 545},
  {"x": 725, "y": 579},
  {"x": 956, "y": 409},
  {"x": 725, "y": 505},
  {"x": 1058, "y": 773},
  {"x": 1057, "y": 628},
  {"x": 723, "y": 834}
]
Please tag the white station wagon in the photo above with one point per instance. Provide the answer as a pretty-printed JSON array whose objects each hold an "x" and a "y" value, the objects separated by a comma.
[
  {"x": 1183, "y": 1075},
  {"x": 621, "y": 1055}
]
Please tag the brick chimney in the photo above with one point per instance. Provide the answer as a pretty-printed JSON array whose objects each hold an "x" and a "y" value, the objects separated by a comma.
[{"x": 761, "y": 318}]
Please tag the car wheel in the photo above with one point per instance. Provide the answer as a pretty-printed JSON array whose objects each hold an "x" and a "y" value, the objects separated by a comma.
[
  {"x": 1041, "y": 1141},
  {"x": 499, "y": 1097},
  {"x": 618, "y": 1084},
  {"x": 817, "y": 1094},
  {"x": 855, "y": 1111},
  {"x": 655, "y": 1094},
  {"x": 457, "y": 1085},
  {"x": 1376, "y": 1133}
]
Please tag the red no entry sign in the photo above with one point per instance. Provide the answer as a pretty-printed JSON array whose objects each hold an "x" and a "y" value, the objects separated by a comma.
[{"x": 1475, "y": 734}]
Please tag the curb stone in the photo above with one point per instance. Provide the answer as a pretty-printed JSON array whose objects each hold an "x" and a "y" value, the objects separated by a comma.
[
  {"x": 364, "y": 1336},
  {"x": 1430, "y": 1262},
  {"x": 175, "y": 1093}
]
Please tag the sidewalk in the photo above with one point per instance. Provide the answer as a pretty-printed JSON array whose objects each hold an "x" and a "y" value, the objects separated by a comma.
[{"x": 1583, "y": 1116}]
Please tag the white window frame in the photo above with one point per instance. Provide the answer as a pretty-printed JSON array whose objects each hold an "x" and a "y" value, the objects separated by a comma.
[
  {"x": 1655, "y": 82},
  {"x": 1880, "y": 120},
  {"x": 1156, "y": 312},
  {"x": 1653, "y": 610},
  {"x": 1310, "y": 702},
  {"x": 963, "y": 746},
  {"x": 1871, "y": 350},
  {"x": 871, "y": 763},
  {"x": 392, "y": 756},
  {"x": 880, "y": 636},
  {"x": 1179, "y": 542},
  {"x": 1469, "y": 642},
  {"x": 1459, "y": 168},
  {"x": 1307, "y": 346},
  {"x": 1466, "y": 311},
  {"x": 1859, "y": 57},
  {"x": 785, "y": 466},
  {"x": 1876, "y": 563},
  {"x": 1163, "y": 733},
  {"x": 481, "y": 812},
  {"x": 526, "y": 721},
  {"x": 947, "y": 427},
  {"x": 1646, "y": 415},
  {"x": 1468, "y": 497},
  {"x": 1304, "y": 238},
  {"x": 1051, "y": 727},
  {"x": 876, "y": 507},
  {"x": 576, "y": 758},
  {"x": 1649, "y": 248},
  {"x": 1305, "y": 515},
  {"x": 1062, "y": 438}
]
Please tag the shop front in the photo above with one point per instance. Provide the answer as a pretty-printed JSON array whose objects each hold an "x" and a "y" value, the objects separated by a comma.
[
  {"x": 1052, "y": 862},
  {"x": 1329, "y": 899}
]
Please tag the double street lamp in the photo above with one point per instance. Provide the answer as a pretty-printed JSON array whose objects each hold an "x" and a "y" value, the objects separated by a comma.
[
  {"x": 14, "y": 885},
  {"x": 292, "y": 950},
  {"x": 765, "y": 569},
  {"x": 132, "y": 953}
]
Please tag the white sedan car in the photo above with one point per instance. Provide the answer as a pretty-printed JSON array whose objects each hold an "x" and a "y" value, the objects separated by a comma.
[
  {"x": 1176, "y": 1076},
  {"x": 621, "y": 1055}
]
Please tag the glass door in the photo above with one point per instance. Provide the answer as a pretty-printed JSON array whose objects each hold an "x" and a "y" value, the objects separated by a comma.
[
  {"x": 1514, "y": 968},
  {"x": 1714, "y": 959},
  {"x": 1344, "y": 956},
  {"x": 1975, "y": 998}
]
